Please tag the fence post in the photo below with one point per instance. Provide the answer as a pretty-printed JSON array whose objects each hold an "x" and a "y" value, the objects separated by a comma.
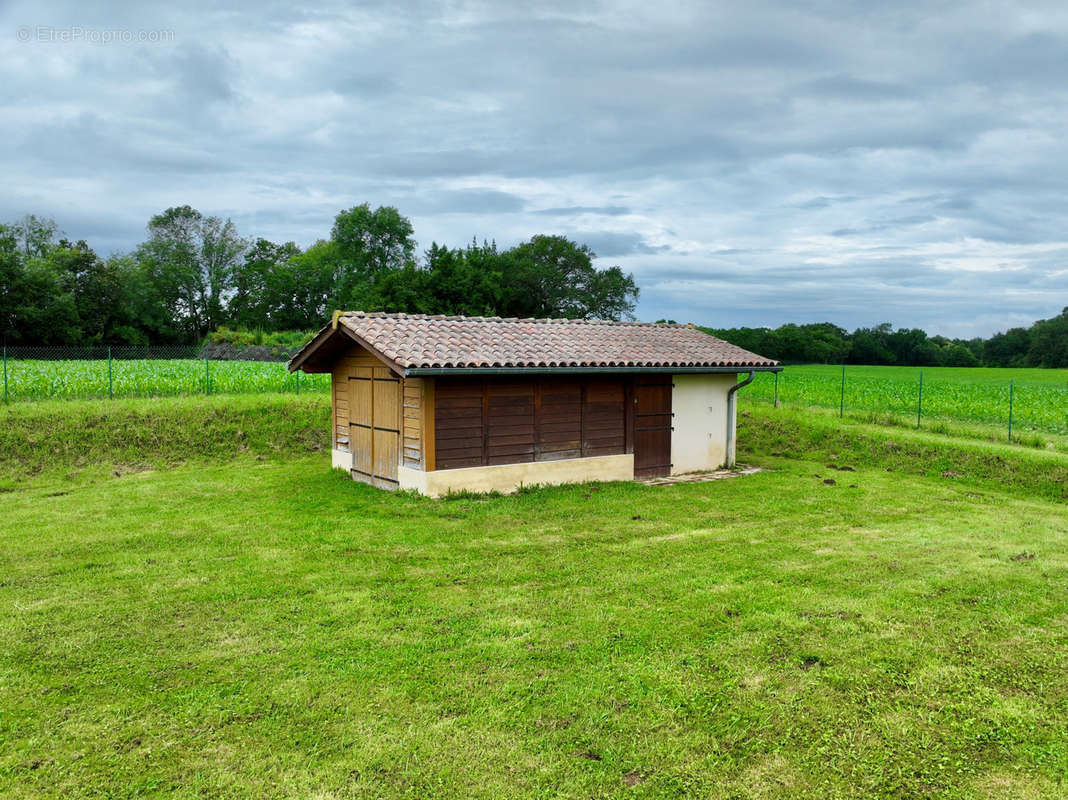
[
  {"x": 207, "y": 376},
  {"x": 5, "y": 373},
  {"x": 776, "y": 390},
  {"x": 841, "y": 405},
  {"x": 111, "y": 385},
  {"x": 298, "y": 381},
  {"x": 919, "y": 402},
  {"x": 1010, "y": 409}
]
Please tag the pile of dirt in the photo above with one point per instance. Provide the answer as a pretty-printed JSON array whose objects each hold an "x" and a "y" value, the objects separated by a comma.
[{"x": 224, "y": 351}]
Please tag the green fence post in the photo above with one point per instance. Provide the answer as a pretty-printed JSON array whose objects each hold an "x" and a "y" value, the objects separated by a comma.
[
  {"x": 776, "y": 390},
  {"x": 5, "y": 373},
  {"x": 1010, "y": 410},
  {"x": 111, "y": 385},
  {"x": 207, "y": 376},
  {"x": 298, "y": 381},
  {"x": 841, "y": 405},
  {"x": 919, "y": 402}
]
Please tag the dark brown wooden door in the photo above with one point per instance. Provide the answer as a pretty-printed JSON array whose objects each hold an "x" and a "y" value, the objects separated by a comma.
[{"x": 652, "y": 426}]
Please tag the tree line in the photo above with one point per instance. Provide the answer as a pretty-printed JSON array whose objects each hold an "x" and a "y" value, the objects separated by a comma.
[
  {"x": 1044, "y": 344},
  {"x": 195, "y": 273}
]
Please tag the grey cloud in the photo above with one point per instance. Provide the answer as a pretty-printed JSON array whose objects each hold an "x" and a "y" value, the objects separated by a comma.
[
  {"x": 574, "y": 211},
  {"x": 852, "y": 88},
  {"x": 466, "y": 201},
  {"x": 607, "y": 244}
]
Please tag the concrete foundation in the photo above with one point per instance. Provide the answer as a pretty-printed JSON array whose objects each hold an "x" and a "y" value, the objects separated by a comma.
[
  {"x": 341, "y": 459},
  {"x": 509, "y": 477}
]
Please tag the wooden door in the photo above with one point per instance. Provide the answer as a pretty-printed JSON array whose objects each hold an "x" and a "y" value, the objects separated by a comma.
[
  {"x": 375, "y": 409},
  {"x": 652, "y": 426}
]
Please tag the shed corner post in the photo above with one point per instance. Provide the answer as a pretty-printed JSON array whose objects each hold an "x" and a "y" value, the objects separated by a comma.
[{"x": 429, "y": 435}]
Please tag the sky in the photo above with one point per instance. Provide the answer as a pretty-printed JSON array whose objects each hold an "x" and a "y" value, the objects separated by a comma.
[{"x": 751, "y": 163}]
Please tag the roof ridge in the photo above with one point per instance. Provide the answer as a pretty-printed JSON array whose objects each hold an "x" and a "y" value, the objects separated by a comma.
[{"x": 514, "y": 320}]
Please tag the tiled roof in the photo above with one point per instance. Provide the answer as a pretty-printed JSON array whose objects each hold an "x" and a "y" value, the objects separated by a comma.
[{"x": 418, "y": 341}]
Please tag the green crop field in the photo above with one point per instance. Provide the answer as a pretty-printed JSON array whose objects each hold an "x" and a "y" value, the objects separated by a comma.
[
  {"x": 83, "y": 379},
  {"x": 979, "y": 396},
  {"x": 195, "y": 605},
  {"x": 974, "y": 396}
]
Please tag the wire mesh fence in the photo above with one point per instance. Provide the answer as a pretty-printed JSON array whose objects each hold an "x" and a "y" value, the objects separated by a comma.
[
  {"x": 67, "y": 373},
  {"x": 1017, "y": 401}
]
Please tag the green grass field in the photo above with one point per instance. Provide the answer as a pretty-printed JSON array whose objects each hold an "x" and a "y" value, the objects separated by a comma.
[
  {"x": 233, "y": 619},
  {"x": 978, "y": 396}
]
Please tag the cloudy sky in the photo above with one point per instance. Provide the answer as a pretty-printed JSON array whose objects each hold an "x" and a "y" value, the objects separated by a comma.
[{"x": 752, "y": 163}]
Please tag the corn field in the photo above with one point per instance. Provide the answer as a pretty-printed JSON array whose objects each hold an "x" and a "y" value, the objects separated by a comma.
[
  {"x": 166, "y": 372},
  {"x": 981, "y": 396}
]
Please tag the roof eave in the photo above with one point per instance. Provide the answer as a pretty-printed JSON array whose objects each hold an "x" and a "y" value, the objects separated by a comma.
[
  {"x": 326, "y": 335},
  {"x": 302, "y": 355},
  {"x": 416, "y": 372}
]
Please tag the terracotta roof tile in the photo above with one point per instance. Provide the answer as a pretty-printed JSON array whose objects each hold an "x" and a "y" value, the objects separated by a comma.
[{"x": 415, "y": 341}]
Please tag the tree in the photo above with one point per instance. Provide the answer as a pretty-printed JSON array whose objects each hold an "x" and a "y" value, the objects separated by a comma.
[
  {"x": 466, "y": 282},
  {"x": 1049, "y": 342},
  {"x": 551, "y": 276},
  {"x": 189, "y": 262},
  {"x": 368, "y": 244},
  {"x": 1007, "y": 349},
  {"x": 10, "y": 281},
  {"x": 314, "y": 275},
  {"x": 957, "y": 355},
  {"x": 870, "y": 346},
  {"x": 265, "y": 286},
  {"x": 35, "y": 235},
  {"x": 99, "y": 290}
]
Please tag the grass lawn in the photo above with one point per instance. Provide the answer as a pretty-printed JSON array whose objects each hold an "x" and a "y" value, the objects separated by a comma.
[{"x": 267, "y": 628}]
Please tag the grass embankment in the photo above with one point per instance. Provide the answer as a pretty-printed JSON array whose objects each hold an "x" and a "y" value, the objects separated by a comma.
[
  {"x": 786, "y": 433},
  {"x": 272, "y": 629},
  {"x": 152, "y": 433}
]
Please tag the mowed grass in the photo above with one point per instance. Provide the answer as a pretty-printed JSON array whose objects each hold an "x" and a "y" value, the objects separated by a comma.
[
  {"x": 82, "y": 379},
  {"x": 268, "y": 628},
  {"x": 977, "y": 396}
]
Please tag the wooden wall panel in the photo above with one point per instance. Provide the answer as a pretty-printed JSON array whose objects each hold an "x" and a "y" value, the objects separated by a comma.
[
  {"x": 458, "y": 418},
  {"x": 496, "y": 420},
  {"x": 362, "y": 443},
  {"x": 509, "y": 429},
  {"x": 559, "y": 419},
  {"x": 412, "y": 453},
  {"x": 360, "y": 409},
  {"x": 387, "y": 404}
]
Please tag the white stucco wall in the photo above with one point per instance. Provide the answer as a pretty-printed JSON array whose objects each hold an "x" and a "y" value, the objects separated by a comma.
[
  {"x": 699, "y": 438},
  {"x": 509, "y": 477}
]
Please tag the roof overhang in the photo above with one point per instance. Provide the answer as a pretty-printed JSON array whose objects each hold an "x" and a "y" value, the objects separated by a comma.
[
  {"x": 416, "y": 372},
  {"x": 322, "y": 351}
]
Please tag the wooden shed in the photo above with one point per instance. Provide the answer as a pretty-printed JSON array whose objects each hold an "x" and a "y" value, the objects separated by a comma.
[{"x": 440, "y": 404}]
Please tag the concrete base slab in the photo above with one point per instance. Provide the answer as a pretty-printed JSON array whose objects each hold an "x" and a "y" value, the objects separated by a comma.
[
  {"x": 701, "y": 477},
  {"x": 509, "y": 477}
]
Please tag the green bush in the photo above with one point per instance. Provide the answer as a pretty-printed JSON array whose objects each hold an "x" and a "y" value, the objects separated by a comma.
[{"x": 286, "y": 340}]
